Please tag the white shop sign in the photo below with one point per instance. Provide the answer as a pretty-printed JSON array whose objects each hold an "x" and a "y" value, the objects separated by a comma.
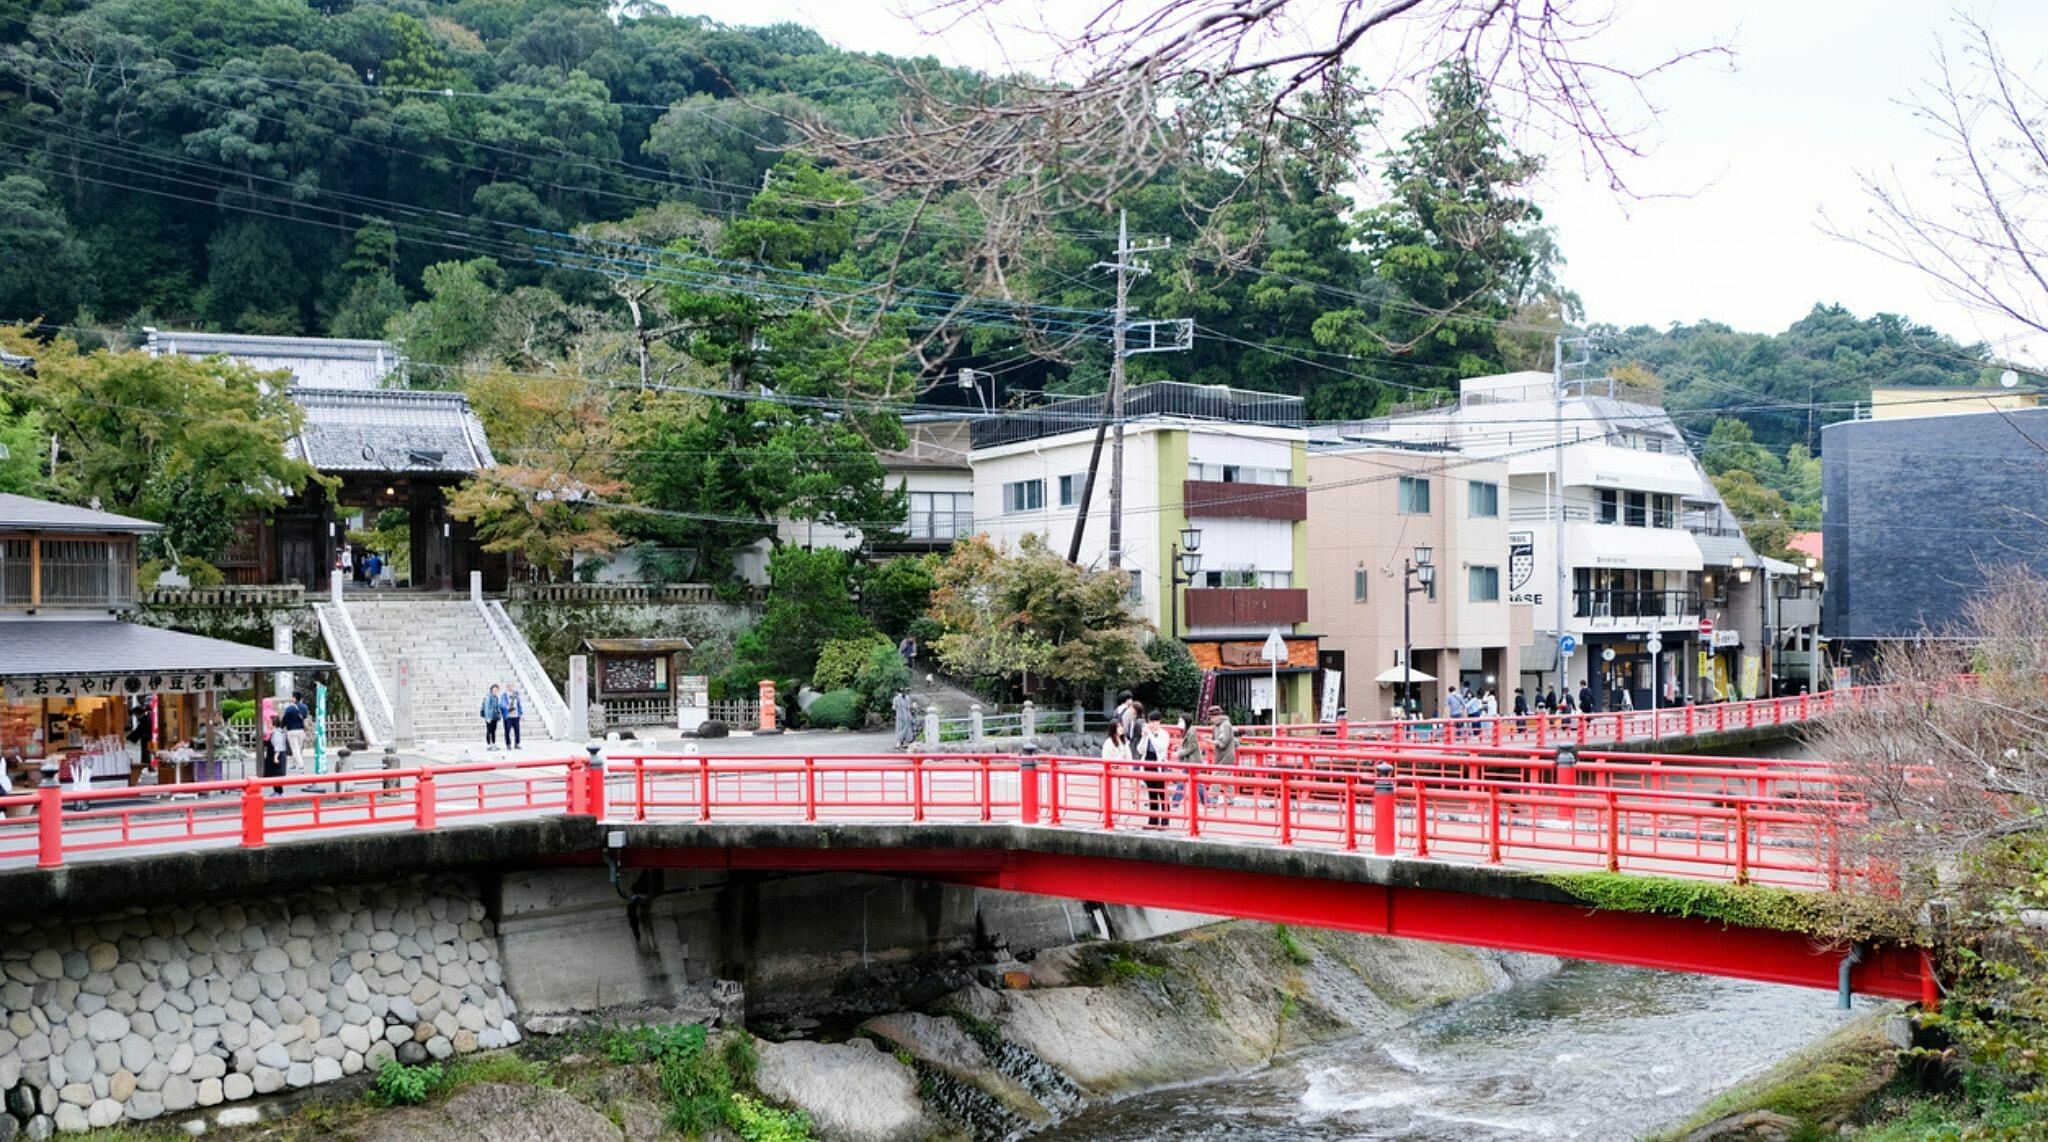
[{"x": 123, "y": 685}]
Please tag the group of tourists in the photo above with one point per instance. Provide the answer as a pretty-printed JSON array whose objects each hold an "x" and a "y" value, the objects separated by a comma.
[
  {"x": 368, "y": 571},
  {"x": 502, "y": 707},
  {"x": 1138, "y": 734}
]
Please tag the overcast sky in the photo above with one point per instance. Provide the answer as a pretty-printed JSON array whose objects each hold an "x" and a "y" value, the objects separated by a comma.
[{"x": 1751, "y": 148}]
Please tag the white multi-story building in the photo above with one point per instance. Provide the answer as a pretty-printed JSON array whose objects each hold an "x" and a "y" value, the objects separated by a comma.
[
  {"x": 1615, "y": 532},
  {"x": 1229, "y": 465}
]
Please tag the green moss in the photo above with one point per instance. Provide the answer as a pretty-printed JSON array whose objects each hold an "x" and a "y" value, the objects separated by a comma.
[
  {"x": 1291, "y": 947},
  {"x": 494, "y": 1067},
  {"x": 1821, "y": 1088},
  {"x": 1116, "y": 962},
  {"x": 1823, "y": 914}
]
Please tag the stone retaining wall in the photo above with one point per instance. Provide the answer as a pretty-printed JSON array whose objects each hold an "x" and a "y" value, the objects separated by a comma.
[{"x": 157, "y": 1012}]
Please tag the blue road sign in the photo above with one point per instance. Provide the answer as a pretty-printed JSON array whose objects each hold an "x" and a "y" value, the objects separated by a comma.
[{"x": 1567, "y": 643}]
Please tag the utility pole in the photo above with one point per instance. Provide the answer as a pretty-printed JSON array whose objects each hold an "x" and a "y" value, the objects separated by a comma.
[
  {"x": 1126, "y": 268},
  {"x": 1557, "y": 489}
]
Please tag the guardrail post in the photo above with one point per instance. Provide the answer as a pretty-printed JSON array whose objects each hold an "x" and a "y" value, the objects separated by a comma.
[
  {"x": 810, "y": 789},
  {"x": 424, "y": 807},
  {"x": 1613, "y": 833},
  {"x": 1688, "y": 719},
  {"x": 1493, "y": 824},
  {"x": 252, "y": 814},
  {"x": 50, "y": 825},
  {"x": 1567, "y": 767},
  {"x": 1028, "y": 719},
  {"x": 1286, "y": 804},
  {"x": 1741, "y": 843},
  {"x": 931, "y": 726},
  {"x": 578, "y": 787},
  {"x": 1383, "y": 810},
  {"x": 974, "y": 724},
  {"x": 1027, "y": 779},
  {"x": 594, "y": 800}
]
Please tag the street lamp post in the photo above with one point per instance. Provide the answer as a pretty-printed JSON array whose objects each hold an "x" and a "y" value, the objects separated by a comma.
[
  {"x": 1181, "y": 571},
  {"x": 1416, "y": 575}
]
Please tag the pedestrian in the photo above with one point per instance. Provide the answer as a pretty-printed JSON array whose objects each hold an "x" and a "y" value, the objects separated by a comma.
[
  {"x": 1586, "y": 697},
  {"x": 1550, "y": 700},
  {"x": 1491, "y": 703},
  {"x": 347, "y": 561},
  {"x": 1134, "y": 729},
  {"x": 293, "y": 718},
  {"x": 1222, "y": 737},
  {"x": 1628, "y": 700},
  {"x": 1568, "y": 707},
  {"x": 277, "y": 754},
  {"x": 1475, "y": 709},
  {"x": 906, "y": 718},
  {"x": 1223, "y": 747},
  {"x": 1521, "y": 703},
  {"x": 81, "y": 770},
  {"x": 515, "y": 709},
  {"x": 1454, "y": 709},
  {"x": 373, "y": 568},
  {"x": 492, "y": 712},
  {"x": 908, "y": 649},
  {"x": 1189, "y": 756},
  {"x": 1125, "y": 714},
  {"x": 1153, "y": 748},
  {"x": 1115, "y": 746}
]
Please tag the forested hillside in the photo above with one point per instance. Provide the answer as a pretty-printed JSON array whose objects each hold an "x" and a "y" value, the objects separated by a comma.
[{"x": 593, "y": 221}]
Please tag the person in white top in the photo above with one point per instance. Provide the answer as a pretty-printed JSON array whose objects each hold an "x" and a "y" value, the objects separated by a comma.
[
  {"x": 1155, "y": 746},
  {"x": 1492, "y": 704}
]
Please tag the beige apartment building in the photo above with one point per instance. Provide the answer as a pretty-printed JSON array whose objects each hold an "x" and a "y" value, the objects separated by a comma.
[{"x": 1374, "y": 504}]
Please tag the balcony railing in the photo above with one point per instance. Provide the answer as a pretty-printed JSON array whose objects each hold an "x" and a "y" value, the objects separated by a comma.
[
  {"x": 940, "y": 525},
  {"x": 1618, "y": 604},
  {"x": 1216, "y": 499},
  {"x": 1246, "y": 606}
]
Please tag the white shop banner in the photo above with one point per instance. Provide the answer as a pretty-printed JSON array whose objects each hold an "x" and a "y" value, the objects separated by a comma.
[{"x": 66, "y": 686}]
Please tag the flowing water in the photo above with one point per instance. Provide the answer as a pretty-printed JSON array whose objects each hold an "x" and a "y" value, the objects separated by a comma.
[{"x": 1593, "y": 1052}]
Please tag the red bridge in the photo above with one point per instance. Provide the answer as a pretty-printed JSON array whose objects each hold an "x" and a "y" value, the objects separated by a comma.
[{"x": 1446, "y": 840}]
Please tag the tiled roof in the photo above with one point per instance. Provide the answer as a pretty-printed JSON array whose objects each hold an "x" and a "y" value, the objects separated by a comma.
[
  {"x": 197, "y": 344},
  {"x": 52, "y": 647},
  {"x": 26, "y": 514},
  {"x": 389, "y": 430}
]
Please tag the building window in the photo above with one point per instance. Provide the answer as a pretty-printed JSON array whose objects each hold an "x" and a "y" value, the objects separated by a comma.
[
  {"x": 1414, "y": 495},
  {"x": 941, "y": 515},
  {"x": 1239, "y": 474},
  {"x": 1070, "y": 490},
  {"x": 1638, "y": 509},
  {"x": 1610, "y": 506},
  {"x": 1245, "y": 578},
  {"x": 1484, "y": 583},
  {"x": 1024, "y": 496},
  {"x": 1484, "y": 499},
  {"x": 1358, "y": 579},
  {"x": 1663, "y": 511}
]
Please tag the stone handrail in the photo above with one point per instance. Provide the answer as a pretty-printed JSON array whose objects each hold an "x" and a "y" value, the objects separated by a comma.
[
  {"x": 613, "y": 593},
  {"x": 372, "y": 705},
  {"x": 533, "y": 679},
  {"x": 271, "y": 595}
]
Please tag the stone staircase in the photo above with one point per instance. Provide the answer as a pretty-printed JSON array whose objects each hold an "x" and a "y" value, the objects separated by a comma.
[{"x": 456, "y": 656}]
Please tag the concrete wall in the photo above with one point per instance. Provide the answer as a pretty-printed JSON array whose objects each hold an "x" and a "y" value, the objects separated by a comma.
[
  {"x": 176, "y": 1012},
  {"x": 1916, "y": 513},
  {"x": 569, "y": 945}
]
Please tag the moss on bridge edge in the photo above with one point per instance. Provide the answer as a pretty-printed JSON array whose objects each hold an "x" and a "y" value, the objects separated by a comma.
[{"x": 1832, "y": 916}]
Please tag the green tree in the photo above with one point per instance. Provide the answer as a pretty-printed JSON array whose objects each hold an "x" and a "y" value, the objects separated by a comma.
[
  {"x": 1761, "y": 511},
  {"x": 1452, "y": 246},
  {"x": 1731, "y": 447},
  {"x": 1030, "y": 617},
  {"x": 45, "y": 272},
  {"x": 897, "y": 593},
  {"x": 809, "y": 603},
  {"x": 196, "y": 445},
  {"x": 458, "y": 318},
  {"x": 24, "y": 442}
]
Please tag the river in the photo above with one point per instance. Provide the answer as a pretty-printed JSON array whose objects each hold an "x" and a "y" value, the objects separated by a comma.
[{"x": 1594, "y": 1052}]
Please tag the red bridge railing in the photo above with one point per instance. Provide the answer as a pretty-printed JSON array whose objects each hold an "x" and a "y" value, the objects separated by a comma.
[
  {"x": 1736, "y": 819},
  {"x": 1601, "y": 728}
]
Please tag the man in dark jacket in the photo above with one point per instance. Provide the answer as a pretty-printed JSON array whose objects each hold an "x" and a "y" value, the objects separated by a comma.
[{"x": 1586, "y": 698}]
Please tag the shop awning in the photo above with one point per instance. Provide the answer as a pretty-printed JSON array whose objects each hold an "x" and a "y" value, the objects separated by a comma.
[
  {"x": 1641, "y": 548},
  {"x": 1395, "y": 676},
  {"x": 140, "y": 659}
]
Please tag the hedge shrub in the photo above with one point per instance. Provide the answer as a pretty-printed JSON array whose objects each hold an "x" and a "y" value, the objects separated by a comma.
[{"x": 836, "y": 710}]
